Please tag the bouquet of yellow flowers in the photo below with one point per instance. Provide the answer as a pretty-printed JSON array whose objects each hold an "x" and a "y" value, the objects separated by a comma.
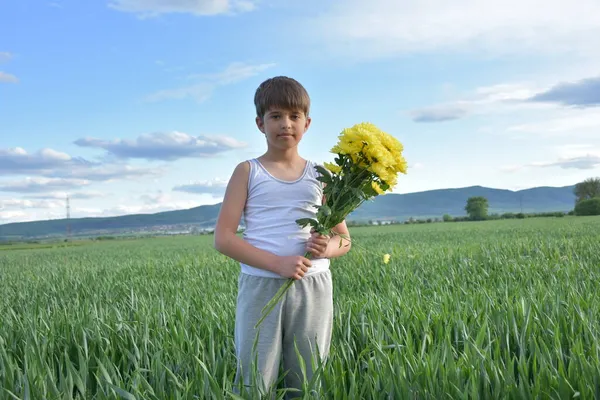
[{"x": 367, "y": 164}]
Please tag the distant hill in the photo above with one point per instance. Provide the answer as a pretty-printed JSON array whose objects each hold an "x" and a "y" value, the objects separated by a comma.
[
  {"x": 436, "y": 203},
  {"x": 428, "y": 204},
  {"x": 203, "y": 216}
]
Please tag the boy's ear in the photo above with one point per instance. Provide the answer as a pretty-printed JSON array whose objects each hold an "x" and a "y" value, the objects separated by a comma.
[
  {"x": 308, "y": 121},
  {"x": 260, "y": 123}
]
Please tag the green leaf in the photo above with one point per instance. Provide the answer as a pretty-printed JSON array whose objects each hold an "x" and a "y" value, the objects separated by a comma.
[
  {"x": 368, "y": 190},
  {"x": 303, "y": 222},
  {"x": 323, "y": 171},
  {"x": 325, "y": 210},
  {"x": 122, "y": 393},
  {"x": 324, "y": 179}
]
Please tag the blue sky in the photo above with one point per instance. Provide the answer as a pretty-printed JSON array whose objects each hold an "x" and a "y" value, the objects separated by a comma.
[{"x": 134, "y": 106}]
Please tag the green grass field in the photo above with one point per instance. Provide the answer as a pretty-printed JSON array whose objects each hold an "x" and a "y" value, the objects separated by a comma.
[{"x": 504, "y": 309}]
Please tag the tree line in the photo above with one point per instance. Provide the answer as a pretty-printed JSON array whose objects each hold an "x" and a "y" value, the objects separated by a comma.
[{"x": 587, "y": 201}]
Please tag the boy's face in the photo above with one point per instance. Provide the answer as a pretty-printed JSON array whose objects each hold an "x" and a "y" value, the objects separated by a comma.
[{"x": 283, "y": 128}]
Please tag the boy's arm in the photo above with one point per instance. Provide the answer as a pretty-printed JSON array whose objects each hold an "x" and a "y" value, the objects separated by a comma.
[
  {"x": 226, "y": 240},
  {"x": 342, "y": 234},
  {"x": 333, "y": 247}
]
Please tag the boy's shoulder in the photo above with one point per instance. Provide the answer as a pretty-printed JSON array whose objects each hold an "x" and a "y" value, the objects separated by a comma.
[
  {"x": 241, "y": 171},
  {"x": 245, "y": 165}
]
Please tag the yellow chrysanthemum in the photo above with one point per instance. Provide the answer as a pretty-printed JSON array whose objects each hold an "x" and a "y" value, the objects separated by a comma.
[
  {"x": 374, "y": 150},
  {"x": 356, "y": 136},
  {"x": 392, "y": 180},
  {"x": 389, "y": 149},
  {"x": 394, "y": 148},
  {"x": 400, "y": 164},
  {"x": 372, "y": 146},
  {"x": 336, "y": 169},
  {"x": 352, "y": 149},
  {"x": 377, "y": 188},
  {"x": 381, "y": 171},
  {"x": 386, "y": 258}
]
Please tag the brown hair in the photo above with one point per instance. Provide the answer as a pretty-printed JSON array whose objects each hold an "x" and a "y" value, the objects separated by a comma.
[{"x": 283, "y": 92}]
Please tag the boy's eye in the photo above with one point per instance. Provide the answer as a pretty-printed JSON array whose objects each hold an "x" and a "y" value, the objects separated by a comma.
[{"x": 278, "y": 116}]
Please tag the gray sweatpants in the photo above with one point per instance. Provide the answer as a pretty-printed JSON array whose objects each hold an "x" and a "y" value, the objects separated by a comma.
[{"x": 304, "y": 316}]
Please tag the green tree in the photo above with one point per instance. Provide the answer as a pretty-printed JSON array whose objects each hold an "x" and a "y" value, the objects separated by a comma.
[
  {"x": 477, "y": 207},
  {"x": 447, "y": 218},
  {"x": 586, "y": 190},
  {"x": 588, "y": 207}
]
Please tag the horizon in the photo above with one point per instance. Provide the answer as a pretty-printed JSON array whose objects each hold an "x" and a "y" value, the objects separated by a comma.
[
  {"x": 154, "y": 113},
  {"x": 219, "y": 202}
]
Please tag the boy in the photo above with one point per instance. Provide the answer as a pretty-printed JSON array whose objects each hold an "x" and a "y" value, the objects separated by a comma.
[{"x": 273, "y": 191}]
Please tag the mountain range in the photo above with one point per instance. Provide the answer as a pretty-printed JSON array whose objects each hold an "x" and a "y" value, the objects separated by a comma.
[{"x": 398, "y": 207}]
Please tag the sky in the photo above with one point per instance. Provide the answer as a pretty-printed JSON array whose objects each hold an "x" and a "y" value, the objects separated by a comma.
[{"x": 141, "y": 106}]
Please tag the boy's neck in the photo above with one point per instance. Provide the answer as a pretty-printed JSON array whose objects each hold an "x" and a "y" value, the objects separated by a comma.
[{"x": 289, "y": 155}]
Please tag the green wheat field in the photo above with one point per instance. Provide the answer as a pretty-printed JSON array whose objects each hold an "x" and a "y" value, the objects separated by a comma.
[{"x": 503, "y": 309}]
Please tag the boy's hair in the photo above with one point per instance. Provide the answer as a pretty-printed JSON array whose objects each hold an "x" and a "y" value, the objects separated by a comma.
[{"x": 283, "y": 92}]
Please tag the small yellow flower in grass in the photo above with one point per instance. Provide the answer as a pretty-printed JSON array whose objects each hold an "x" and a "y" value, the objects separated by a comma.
[{"x": 386, "y": 258}]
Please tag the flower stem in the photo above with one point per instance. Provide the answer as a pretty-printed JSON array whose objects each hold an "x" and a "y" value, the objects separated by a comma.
[{"x": 278, "y": 296}]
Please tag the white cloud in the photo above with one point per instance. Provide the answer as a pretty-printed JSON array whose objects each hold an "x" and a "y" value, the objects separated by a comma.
[
  {"x": 571, "y": 156},
  {"x": 574, "y": 149},
  {"x": 583, "y": 93},
  {"x": 35, "y": 208},
  {"x": 51, "y": 163},
  {"x": 41, "y": 185},
  {"x": 588, "y": 161},
  {"x": 8, "y": 78},
  {"x": 83, "y": 195},
  {"x": 5, "y": 77},
  {"x": 28, "y": 203},
  {"x": 235, "y": 72},
  {"x": 150, "y": 203},
  {"x": 495, "y": 99},
  {"x": 216, "y": 187},
  {"x": 7, "y": 217},
  {"x": 14, "y": 160},
  {"x": 439, "y": 113},
  {"x": 154, "y": 198},
  {"x": 148, "y": 208},
  {"x": 569, "y": 123},
  {"x": 544, "y": 119},
  {"x": 199, "y": 92},
  {"x": 387, "y": 27},
  {"x": 205, "y": 84},
  {"x": 152, "y": 8},
  {"x": 5, "y": 56},
  {"x": 31, "y": 214},
  {"x": 110, "y": 172},
  {"x": 167, "y": 146}
]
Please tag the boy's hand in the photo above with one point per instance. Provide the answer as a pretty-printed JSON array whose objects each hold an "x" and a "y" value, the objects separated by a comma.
[
  {"x": 294, "y": 267},
  {"x": 317, "y": 245}
]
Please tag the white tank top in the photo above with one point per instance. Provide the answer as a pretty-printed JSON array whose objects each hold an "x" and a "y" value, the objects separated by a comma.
[{"x": 272, "y": 208}]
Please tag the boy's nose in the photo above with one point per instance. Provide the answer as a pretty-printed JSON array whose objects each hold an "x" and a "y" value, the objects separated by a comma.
[{"x": 286, "y": 122}]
